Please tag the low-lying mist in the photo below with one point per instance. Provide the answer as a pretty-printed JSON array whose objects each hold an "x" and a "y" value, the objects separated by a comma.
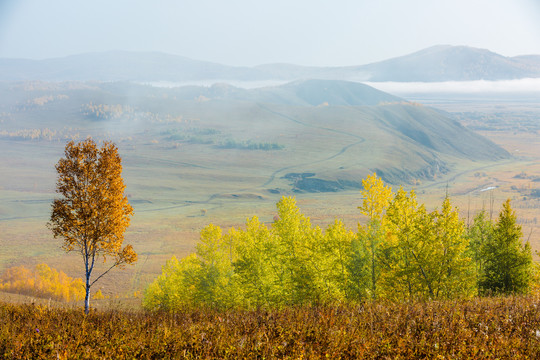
[
  {"x": 499, "y": 87},
  {"x": 236, "y": 83},
  {"x": 523, "y": 89}
]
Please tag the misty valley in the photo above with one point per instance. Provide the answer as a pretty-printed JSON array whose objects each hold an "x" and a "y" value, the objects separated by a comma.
[
  {"x": 227, "y": 177},
  {"x": 194, "y": 155}
]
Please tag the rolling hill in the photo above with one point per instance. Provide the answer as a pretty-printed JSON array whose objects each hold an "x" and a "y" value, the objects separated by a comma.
[
  {"x": 329, "y": 133},
  {"x": 300, "y": 93}
]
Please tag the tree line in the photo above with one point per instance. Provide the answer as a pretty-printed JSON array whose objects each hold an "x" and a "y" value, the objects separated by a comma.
[
  {"x": 42, "y": 281},
  {"x": 402, "y": 252}
]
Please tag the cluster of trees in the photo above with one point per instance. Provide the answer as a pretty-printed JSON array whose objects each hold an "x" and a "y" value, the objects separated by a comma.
[
  {"x": 250, "y": 145},
  {"x": 42, "y": 100},
  {"x": 402, "y": 252},
  {"x": 30, "y": 134},
  {"x": 209, "y": 136},
  {"x": 105, "y": 111},
  {"x": 42, "y": 281}
]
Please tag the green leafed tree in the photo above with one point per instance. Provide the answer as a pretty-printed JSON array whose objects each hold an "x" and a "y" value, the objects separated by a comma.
[
  {"x": 479, "y": 234},
  {"x": 257, "y": 266},
  {"x": 174, "y": 289},
  {"x": 427, "y": 256},
  {"x": 455, "y": 276},
  {"x": 337, "y": 255},
  {"x": 299, "y": 246},
  {"x": 400, "y": 276},
  {"x": 216, "y": 283},
  {"x": 507, "y": 267}
]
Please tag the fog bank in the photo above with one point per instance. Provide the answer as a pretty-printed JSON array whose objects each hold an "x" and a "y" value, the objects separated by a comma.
[{"x": 531, "y": 85}]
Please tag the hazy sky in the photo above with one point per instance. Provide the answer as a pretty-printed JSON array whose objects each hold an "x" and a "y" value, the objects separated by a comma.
[{"x": 252, "y": 32}]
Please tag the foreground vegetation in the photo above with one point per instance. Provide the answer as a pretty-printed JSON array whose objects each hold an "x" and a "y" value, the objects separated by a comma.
[{"x": 481, "y": 328}]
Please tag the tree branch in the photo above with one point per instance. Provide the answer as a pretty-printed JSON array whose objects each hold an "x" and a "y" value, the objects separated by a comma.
[{"x": 100, "y": 276}]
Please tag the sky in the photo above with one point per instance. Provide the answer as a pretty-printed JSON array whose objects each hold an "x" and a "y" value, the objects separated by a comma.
[{"x": 254, "y": 32}]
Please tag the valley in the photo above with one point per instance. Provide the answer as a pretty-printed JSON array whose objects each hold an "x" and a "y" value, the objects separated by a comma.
[
  {"x": 270, "y": 180},
  {"x": 220, "y": 154}
]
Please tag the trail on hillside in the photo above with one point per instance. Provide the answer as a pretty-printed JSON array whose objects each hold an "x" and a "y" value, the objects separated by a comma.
[
  {"x": 453, "y": 178},
  {"x": 167, "y": 161},
  {"x": 272, "y": 177},
  {"x": 290, "y": 118}
]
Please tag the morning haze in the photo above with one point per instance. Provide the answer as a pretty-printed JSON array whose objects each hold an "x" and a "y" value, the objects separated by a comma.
[
  {"x": 247, "y": 33},
  {"x": 306, "y": 177}
]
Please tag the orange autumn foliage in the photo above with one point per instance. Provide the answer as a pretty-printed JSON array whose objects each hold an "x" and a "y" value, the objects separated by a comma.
[
  {"x": 43, "y": 281},
  {"x": 92, "y": 212}
]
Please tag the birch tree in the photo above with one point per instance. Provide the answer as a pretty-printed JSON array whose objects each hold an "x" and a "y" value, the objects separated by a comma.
[{"x": 92, "y": 212}]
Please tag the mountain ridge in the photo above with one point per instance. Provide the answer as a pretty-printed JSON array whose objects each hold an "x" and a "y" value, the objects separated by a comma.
[{"x": 436, "y": 63}]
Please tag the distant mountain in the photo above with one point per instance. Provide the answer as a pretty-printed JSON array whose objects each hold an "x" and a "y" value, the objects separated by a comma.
[
  {"x": 122, "y": 66},
  {"x": 438, "y": 63},
  {"x": 453, "y": 63}
]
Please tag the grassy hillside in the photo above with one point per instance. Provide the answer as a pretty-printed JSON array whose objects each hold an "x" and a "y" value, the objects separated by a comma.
[{"x": 266, "y": 133}]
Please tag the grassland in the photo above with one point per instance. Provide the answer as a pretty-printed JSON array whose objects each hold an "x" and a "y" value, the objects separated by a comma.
[
  {"x": 489, "y": 328},
  {"x": 179, "y": 179}
]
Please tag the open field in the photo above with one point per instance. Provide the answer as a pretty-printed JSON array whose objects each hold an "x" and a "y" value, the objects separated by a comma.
[
  {"x": 512, "y": 122},
  {"x": 188, "y": 163}
]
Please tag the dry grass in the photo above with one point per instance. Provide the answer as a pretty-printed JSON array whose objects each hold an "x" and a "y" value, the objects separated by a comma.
[{"x": 486, "y": 328}]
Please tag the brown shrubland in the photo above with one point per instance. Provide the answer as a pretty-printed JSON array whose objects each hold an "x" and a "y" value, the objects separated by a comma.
[{"x": 481, "y": 328}]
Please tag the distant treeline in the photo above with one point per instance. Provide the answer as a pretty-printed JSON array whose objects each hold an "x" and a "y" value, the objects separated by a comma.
[
  {"x": 106, "y": 112},
  {"x": 250, "y": 145},
  {"x": 42, "y": 281},
  {"x": 40, "y": 134},
  {"x": 30, "y": 134},
  {"x": 191, "y": 135},
  {"x": 210, "y": 136},
  {"x": 403, "y": 252}
]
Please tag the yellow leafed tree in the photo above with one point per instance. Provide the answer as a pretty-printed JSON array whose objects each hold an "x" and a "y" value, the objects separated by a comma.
[
  {"x": 42, "y": 282},
  {"x": 92, "y": 213},
  {"x": 370, "y": 240}
]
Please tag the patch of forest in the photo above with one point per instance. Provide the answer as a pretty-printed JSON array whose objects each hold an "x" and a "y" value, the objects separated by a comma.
[{"x": 403, "y": 252}]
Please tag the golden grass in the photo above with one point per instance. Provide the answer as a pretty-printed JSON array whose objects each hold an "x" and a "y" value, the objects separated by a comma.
[{"x": 483, "y": 328}]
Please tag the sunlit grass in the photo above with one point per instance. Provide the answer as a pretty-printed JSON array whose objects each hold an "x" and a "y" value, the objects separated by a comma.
[{"x": 483, "y": 328}]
